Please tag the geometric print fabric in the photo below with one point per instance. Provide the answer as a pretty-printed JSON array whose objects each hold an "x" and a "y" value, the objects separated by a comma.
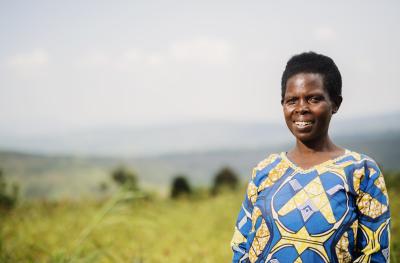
[{"x": 336, "y": 211}]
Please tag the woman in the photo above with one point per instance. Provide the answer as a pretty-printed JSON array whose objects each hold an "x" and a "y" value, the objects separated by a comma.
[{"x": 317, "y": 202}]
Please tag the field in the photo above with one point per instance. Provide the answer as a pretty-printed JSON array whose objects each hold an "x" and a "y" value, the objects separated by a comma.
[
  {"x": 121, "y": 231},
  {"x": 130, "y": 229}
]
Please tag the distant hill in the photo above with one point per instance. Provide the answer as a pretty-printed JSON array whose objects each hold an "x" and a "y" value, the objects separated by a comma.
[
  {"x": 186, "y": 137},
  {"x": 76, "y": 176}
]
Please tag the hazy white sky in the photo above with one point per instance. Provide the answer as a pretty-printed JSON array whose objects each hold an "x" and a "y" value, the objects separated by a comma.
[{"x": 68, "y": 65}]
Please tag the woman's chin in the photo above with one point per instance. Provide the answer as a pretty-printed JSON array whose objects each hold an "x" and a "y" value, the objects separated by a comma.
[{"x": 305, "y": 137}]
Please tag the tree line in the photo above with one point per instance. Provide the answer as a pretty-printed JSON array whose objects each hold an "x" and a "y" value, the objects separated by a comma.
[
  {"x": 224, "y": 180},
  {"x": 125, "y": 179}
]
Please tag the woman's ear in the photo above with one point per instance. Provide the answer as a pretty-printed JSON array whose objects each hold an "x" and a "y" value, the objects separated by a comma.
[{"x": 337, "y": 103}]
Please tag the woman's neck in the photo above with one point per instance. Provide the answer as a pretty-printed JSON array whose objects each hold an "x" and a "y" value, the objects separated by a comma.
[
  {"x": 309, "y": 154},
  {"x": 311, "y": 147}
]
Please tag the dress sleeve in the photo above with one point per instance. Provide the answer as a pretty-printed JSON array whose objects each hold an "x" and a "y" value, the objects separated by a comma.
[
  {"x": 243, "y": 225},
  {"x": 373, "y": 233}
]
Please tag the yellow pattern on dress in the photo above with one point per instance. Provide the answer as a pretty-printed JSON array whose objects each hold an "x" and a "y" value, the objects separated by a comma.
[
  {"x": 342, "y": 249},
  {"x": 302, "y": 240},
  {"x": 261, "y": 237},
  {"x": 277, "y": 172},
  {"x": 261, "y": 165},
  {"x": 273, "y": 176},
  {"x": 298, "y": 260},
  {"x": 372, "y": 238},
  {"x": 369, "y": 206},
  {"x": 356, "y": 155},
  {"x": 358, "y": 176},
  {"x": 237, "y": 237},
  {"x": 315, "y": 192},
  {"x": 252, "y": 192},
  {"x": 252, "y": 189},
  {"x": 354, "y": 227},
  {"x": 380, "y": 183},
  {"x": 337, "y": 169}
]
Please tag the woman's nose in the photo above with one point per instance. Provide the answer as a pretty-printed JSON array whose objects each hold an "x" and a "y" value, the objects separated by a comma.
[{"x": 302, "y": 107}]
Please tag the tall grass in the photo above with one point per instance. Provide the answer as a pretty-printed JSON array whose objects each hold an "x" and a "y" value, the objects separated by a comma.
[
  {"x": 128, "y": 229},
  {"x": 121, "y": 231}
]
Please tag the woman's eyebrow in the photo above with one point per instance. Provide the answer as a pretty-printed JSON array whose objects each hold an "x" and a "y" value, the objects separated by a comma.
[{"x": 316, "y": 93}]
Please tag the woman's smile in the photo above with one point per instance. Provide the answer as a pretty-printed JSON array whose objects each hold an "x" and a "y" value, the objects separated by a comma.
[{"x": 302, "y": 124}]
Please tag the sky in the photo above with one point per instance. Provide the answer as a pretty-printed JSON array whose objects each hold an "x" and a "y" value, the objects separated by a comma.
[{"x": 72, "y": 65}]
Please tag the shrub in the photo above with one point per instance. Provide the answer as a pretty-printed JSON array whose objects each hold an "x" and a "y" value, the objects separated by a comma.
[
  {"x": 225, "y": 178},
  {"x": 8, "y": 199},
  {"x": 180, "y": 187},
  {"x": 125, "y": 178}
]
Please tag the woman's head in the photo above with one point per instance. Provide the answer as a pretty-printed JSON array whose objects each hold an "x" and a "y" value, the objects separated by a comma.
[
  {"x": 311, "y": 94},
  {"x": 310, "y": 62}
]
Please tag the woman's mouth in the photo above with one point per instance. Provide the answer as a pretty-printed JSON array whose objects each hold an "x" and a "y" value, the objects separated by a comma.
[{"x": 302, "y": 124}]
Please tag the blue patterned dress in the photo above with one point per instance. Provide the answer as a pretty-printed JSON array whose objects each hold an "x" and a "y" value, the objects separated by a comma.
[{"x": 337, "y": 211}]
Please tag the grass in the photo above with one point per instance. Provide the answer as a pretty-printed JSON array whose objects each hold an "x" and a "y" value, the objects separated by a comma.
[
  {"x": 121, "y": 231},
  {"x": 126, "y": 230}
]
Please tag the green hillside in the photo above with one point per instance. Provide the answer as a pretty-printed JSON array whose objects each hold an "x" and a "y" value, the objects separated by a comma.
[{"x": 42, "y": 176}]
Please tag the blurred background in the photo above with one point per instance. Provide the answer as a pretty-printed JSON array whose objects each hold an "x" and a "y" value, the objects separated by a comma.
[{"x": 122, "y": 122}]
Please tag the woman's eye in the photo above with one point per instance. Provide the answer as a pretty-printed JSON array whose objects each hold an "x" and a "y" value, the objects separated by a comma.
[
  {"x": 290, "y": 101},
  {"x": 315, "y": 99}
]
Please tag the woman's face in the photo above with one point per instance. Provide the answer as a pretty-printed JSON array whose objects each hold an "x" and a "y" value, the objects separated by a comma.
[{"x": 307, "y": 107}]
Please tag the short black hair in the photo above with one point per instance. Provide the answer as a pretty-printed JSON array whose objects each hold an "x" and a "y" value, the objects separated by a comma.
[{"x": 311, "y": 62}]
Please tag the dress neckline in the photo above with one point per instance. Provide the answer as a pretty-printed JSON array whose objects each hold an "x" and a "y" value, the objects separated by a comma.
[{"x": 298, "y": 168}]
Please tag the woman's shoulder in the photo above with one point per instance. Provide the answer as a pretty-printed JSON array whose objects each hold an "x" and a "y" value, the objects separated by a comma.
[
  {"x": 364, "y": 170},
  {"x": 267, "y": 161},
  {"x": 272, "y": 162},
  {"x": 265, "y": 174},
  {"x": 358, "y": 159}
]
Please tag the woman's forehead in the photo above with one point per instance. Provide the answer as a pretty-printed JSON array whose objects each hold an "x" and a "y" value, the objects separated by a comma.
[
  {"x": 310, "y": 82},
  {"x": 305, "y": 78}
]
